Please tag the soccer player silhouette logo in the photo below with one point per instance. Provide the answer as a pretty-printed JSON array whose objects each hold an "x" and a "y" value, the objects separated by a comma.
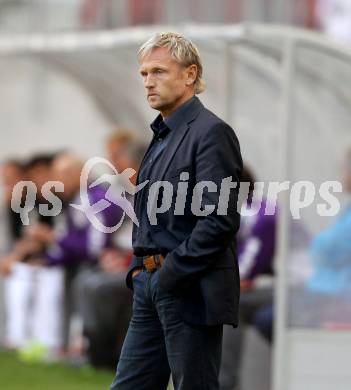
[{"x": 114, "y": 195}]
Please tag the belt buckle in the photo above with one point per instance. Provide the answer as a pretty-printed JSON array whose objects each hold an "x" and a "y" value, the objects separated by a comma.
[
  {"x": 154, "y": 265},
  {"x": 149, "y": 269}
]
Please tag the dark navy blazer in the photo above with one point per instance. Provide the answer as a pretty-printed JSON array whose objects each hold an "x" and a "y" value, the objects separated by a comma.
[{"x": 201, "y": 262}]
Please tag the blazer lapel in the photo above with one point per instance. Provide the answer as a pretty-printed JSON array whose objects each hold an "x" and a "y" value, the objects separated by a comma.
[{"x": 176, "y": 137}]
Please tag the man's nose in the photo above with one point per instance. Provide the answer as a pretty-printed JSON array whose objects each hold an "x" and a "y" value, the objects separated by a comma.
[{"x": 149, "y": 81}]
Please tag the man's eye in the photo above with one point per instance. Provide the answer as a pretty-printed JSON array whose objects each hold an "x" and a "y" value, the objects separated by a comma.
[{"x": 159, "y": 71}]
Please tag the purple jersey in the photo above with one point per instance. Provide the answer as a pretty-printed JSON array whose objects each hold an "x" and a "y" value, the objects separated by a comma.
[
  {"x": 256, "y": 242},
  {"x": 77, "y": 239}
]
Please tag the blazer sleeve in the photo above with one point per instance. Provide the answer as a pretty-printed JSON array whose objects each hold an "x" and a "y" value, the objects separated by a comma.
[{"x": 218, "y": 157}]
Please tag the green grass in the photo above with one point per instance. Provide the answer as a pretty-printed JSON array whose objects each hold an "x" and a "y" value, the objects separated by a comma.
[{"x": 16, "y": 375}]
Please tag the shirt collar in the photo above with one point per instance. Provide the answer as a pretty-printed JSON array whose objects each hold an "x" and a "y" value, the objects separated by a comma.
[
  {"x": 162, "y": 127},
  {"x": 159, "y": 127}
]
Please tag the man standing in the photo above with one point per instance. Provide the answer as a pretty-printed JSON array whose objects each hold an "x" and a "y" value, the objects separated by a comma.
[{"x": 184, "y": 272}]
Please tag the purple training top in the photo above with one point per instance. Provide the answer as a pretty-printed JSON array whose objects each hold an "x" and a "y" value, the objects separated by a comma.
[
  {"x": 77, "y": 239},
  {"x": 256, "y": 242}
]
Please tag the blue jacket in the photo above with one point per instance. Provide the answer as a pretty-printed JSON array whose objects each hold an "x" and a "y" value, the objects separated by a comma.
[
  {"x": 201, "y": 258},
  {"x": 331, "y": 257}
]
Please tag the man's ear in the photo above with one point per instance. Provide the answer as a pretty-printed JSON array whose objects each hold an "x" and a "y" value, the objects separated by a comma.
[{"x": 191, "y": 74}]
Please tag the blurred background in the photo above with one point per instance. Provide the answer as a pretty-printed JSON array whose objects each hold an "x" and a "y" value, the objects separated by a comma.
[{"x": 279, "y": 72}]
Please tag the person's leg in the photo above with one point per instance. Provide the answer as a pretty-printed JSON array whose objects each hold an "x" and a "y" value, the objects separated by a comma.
[
  {"x": 194, "y": 352},
  {"x": 85, "y": 301},
  {"x": 231, "y": 356},
  {"x": 143, "y": 362},
  {"x": 70, "y": 273},
  {"x": 250, "y": 302},
  {"x": 73, "y": 273},
  {"x": 83, "y": 290},
  {"x": 47, "y": 306},
  {"x": 105, "y": 325},
  {"x": 263, "y": 321},
  {"x": 113, "y": 318},
  {"x": 17, "y": 294}
]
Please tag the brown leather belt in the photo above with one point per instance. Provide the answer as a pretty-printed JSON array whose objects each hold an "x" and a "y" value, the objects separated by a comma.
[{"x": 151, "y": 263}]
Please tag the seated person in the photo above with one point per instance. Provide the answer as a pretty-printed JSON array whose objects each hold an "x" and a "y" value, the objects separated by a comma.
[
  {"x": 256, "y": 248},
  {"x": 72, "y": 241},
  {"x": 36, "y": 170},
  {"x": 11, "y": 172},
  {"x": 105, "y": 325},
  {"x": 104, "y": 303},
  {"x": 331, "y": 249},
  {"x": 324, "y": 299},
  {"x": 18, "y": 262}
]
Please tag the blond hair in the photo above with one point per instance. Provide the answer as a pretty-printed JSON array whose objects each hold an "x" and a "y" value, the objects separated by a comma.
[
  {"x": 181, "y": 49},
  {"x": 121, "y": 135}
]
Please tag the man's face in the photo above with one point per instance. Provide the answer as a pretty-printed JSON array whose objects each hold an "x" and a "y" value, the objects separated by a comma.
[
  {"x": 10, "y": 176},
  {"x": 116, "y": 155},
  {"x": 67, "y": 171},
  {"x": 166, "y": 82},
  {"x": 39, "y": 174}
]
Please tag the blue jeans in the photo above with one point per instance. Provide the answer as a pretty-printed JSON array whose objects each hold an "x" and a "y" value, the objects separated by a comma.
[{"x": 159, "y": 342}]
